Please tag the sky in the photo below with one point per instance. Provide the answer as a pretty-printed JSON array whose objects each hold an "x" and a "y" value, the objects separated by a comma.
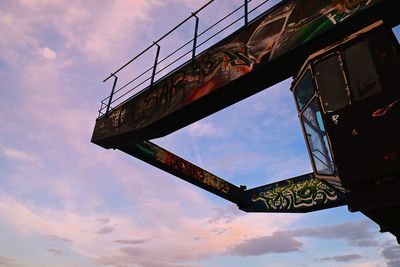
[{"x": 67, "y": 202}]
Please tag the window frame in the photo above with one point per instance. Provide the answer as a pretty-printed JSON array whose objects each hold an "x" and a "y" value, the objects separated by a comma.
[
  {"x": 294, "y": 86},
  {"x": 339, "y": 55},
  {"x": 327, "y": 144},
  {"x": 317, "y": 96},
  {"x": 346, "y": 70}
]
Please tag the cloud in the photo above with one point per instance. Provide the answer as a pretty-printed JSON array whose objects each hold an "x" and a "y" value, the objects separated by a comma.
[
  {"x": 225, "y": 214},
  {"x": 133, "y": 251},
  {"x": 355, "y": 233},
  {"x": 16, "y": 154},
  {"x": 205, "y": 129},
  {"x": 121, "y": 261},
  {"x": 392, "y": 254},
  {"x": 47, "y": 53},
  {"x": 58, "y": 238},
  {"x": 103, "y": 221},
  {"x": 131, "y": 241},
  {"x": 342, "y": 258},
  {"x": 5, "y": 261},
  {"x": 57, "y": 252},
  {"x": 105, "y": 230},
  {"x": 278, "y": 242},
  {"x": 152, "y": 263}
]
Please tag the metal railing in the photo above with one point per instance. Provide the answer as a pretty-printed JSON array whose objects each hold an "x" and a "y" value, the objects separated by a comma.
[{"x": 147, "y": 78}]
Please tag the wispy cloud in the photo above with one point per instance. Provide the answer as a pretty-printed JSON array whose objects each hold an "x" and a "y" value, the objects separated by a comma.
[
  {"x": 169, "y": 245},
  {"x": 355, "y": 233},
  {"x": 341, "y": 258},
  {"x": 16, "y": 154},
  {"x": 5, "y": 261},
  {"x": 58, "y": 238},
  {"x": 392, "y": 254},
  {"x": 103, "y": 221},
  {"x": 133, "y": 251},
  {"x": 225, "y": 214},
  {"x": 105, "y": 230},
  {"x": 131, "y": 241},
  {"x": 278, "y": 242},
  {"x": 55, "y": 251},
  {"x": 203, "y": 129}
]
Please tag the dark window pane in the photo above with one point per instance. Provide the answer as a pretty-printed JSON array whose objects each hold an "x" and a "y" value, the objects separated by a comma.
[
  {"x": 363, "y": 79},
  {"x": 304, "y": 90},
  {"x": 331, "y": 83},
  {"x": 317, "y": 139}
]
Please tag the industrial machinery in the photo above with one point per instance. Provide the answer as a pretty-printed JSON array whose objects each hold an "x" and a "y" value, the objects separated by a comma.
[
  {"x": 345, "y": 61},
  {"x": 348, "y": 101}
]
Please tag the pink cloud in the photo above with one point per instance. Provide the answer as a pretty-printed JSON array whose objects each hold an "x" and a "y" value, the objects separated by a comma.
[
  {"x": 47, "y": 53},
  {"x": 167, "y": 244},
  {"x": 16, "y": 154}
]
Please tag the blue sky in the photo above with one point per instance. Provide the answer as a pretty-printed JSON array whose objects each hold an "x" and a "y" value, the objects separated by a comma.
[{"x": 67, "y": 202}]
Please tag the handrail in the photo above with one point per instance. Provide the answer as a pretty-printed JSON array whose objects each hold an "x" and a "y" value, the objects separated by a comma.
[
  {"x": 165, "y": 35},
  {"x": 108, "y": 101},
  {"x": 218, "y": 32}
]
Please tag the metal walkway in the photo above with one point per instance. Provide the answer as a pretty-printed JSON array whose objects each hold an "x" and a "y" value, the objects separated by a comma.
[{"x": 240, "y": 16}]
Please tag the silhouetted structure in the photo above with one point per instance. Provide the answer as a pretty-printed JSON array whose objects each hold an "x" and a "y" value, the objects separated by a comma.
[{"x": 346, "y": 93}]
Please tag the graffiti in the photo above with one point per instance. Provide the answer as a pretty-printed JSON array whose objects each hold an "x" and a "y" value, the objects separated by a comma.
[
  {"x": 181, "y": 166},
  {"x": 118, "y": 117},
  {"x": 294, "y": 195},
  {"x": 335, "y": 119},
  {"x": 382, "y": 112},
  {"x": 310, "y": 18},
  {"x": 285, "y": 28},
  {"x": 199, "y": 78},
  {"x": 345, "y": 8}
]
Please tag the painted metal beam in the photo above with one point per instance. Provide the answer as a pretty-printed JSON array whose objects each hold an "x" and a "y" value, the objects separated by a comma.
[
  {"x": 300, "y": 194},
  {"x": 296, "y": 195},
  {"x": 171, "y": 163}
]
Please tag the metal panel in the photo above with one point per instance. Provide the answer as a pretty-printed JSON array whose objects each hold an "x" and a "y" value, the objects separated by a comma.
[
  {"x": 304, "y": 193},
  {"x": 169, "y": 162}
]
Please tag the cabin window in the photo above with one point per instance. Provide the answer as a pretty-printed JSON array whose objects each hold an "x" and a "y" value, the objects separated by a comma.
[
  {"x": 362, "y": 75},
  {"x": 396, "y": 31},
  {"x": 331, "y": 82},
  {"x": 304, "y": 90},
  {"x": 317, "y": 138}
]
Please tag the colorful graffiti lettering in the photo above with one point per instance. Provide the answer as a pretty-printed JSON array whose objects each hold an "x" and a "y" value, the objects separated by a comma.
[
  {"x": 177, "y": 164},
  {"x": 296, "y": 195}
]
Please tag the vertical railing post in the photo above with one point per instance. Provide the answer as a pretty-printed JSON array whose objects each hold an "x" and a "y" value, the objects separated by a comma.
[
  {"x": 155, "y": 64},
  {"x": 246, "y": 12},
  {"x": 101, "y": 109},
  {"x": 196, "y": 28},
  {"x": 112, "y": 93}
]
